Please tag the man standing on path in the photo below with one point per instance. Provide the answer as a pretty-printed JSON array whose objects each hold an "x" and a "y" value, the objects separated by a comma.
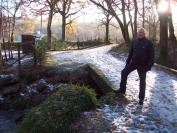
[{"x": 140, "y": 58}]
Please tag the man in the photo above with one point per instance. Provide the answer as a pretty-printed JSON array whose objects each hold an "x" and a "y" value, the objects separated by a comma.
[{"x": 140, "y": 58}]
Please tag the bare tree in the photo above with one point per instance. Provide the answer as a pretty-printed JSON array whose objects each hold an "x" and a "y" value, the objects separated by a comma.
[
  {"x": 118, "y": 9},
  {"x": 106, "y": 21},
  {"x": 68, "y": 9},
  {"x": 51, "y": 5},
  {"x": 41, "y": 7},
  {"x": 132, "y": 5},
  {"x": 17, "y": 5}
]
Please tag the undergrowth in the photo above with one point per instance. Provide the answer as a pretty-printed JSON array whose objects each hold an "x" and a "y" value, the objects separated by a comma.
[{"x": 57, "y": 113}]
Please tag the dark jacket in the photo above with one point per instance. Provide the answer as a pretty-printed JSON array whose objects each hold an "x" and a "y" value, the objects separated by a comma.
[{"x": 141, "y": 52}]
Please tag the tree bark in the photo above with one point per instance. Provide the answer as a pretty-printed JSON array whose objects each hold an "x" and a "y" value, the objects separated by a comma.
[
  {"x": 107, "y": 29},
  {"x": 13, "y": 28},
  {"x": 163, "y": 51},
  {"x": 143, "y": 14},
  {"x": 63, "y": 22},
  {"x": 171, "y": 29},
  {"x": 63, "y": 28},
  {"x": 135, "y": 18},
  {"x": 123, "y": 25},
  {"x": 170, "y": 21},
  {"x": 49, "y": 33}
]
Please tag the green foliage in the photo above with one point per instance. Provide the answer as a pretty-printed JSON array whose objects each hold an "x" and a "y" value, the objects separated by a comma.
[
  {"x": 54, "y": 37},
  {"x": 108, "y": 41},
  {"x": 56, "y": 114},
  {"x": 6, "y": 80},
  {"x": 166, "y": 63},
  {"x": 15, "y": 101},
  {"x": 58, "y": 45},
  {"x": 109, "y": 98},
  {"x": 40, "y": 51},
  {"x": 30, "y": 77},
  {"x": 64, "y": 76},
  {"x": 63, "y": 45},
  {"x": 50, "y": 62}
]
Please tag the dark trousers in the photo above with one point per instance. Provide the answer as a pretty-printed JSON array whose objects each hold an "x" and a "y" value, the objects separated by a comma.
[{"x": 142, "y": 75}]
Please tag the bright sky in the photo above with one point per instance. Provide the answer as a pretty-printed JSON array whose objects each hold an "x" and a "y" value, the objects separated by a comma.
[
  {"x": 164, "y": 6},
  {"x": 92, "y": 14}
]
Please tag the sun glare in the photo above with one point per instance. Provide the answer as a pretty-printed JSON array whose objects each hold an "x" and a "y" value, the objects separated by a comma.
[{"x": 163, "y": 6}]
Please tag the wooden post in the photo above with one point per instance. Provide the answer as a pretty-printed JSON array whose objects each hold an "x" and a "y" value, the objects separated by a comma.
[{"x": 19, "y": 62}]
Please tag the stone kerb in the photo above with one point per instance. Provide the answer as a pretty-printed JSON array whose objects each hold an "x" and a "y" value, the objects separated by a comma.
[{"x": 101, "y": 80}]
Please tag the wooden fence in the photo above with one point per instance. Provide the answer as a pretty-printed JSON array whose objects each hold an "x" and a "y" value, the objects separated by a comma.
[
  {"x": 21, "y": 53},
  {"x": 80, "y": 43}
]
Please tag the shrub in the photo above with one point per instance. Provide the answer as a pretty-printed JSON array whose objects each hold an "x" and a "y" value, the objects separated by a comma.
[
  {"x": 109, "y": 98},
  {"x": 40, "y": 50},
  {"x": 57, "y": 113},
  {"x": 112, "y": 98},
  {"x": 30, "y": 77},
  {"x": 59, "y": 45},
  {"x": 6, "y": 80}
]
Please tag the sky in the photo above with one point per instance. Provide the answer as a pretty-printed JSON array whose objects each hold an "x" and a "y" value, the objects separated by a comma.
[
  {"x": 92, "y": 10},
  {"x": 91, "y": 14},
  {"x": 158, "y": 112}
]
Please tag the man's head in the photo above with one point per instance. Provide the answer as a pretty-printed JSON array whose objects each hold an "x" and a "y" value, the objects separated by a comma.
[{"x": 141, "y": 33}]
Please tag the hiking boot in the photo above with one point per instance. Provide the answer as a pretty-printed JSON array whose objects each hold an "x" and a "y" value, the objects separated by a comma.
[
  {"x": 119, "y": 91},
  {"x": 141, "y": 101}
]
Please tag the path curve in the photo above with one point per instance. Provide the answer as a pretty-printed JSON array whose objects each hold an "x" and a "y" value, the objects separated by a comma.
[{"x": 161, "y": 86}]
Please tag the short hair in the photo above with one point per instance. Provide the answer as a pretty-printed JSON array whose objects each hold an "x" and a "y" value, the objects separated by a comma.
[{"x": 141, "y": 29}]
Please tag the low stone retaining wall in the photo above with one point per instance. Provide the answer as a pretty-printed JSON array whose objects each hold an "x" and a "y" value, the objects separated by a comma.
[{"x": 101, "y": 80}]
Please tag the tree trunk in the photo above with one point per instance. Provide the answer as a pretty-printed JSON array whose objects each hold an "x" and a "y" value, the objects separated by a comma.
[
  {"x": 171, "y": 29},
  {"x": 170, "y": 21},
  {"x": 127, "y": 38},
  {"x": 63, "y": 27},
  {"x": 143, "y": 15},
  {"x": 123, "y": 25},
  {"x": 49, "y": 33},
  {"x": 107, "y": 29},
  {"x": 163, "y": 51},
  {"x": 13, "y": 28},
  {"x": 135, "y": 18},
  {"x": 107, "y": 32}
]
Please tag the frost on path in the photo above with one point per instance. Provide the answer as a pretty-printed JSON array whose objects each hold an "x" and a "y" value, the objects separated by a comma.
[{"x": 161, "y": 86}]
